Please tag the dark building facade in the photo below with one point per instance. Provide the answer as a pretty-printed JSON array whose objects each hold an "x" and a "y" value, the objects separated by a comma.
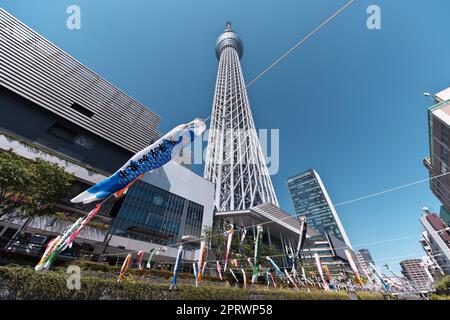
[
  {"x": 63, "y": 137},
  {"x": 50, "y": 98},
  {"x": 54, "y": 108},
  {"x": 39, "y": 71}
]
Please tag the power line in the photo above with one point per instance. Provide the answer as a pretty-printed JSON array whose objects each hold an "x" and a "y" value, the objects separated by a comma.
[
  {"x": 390, "y": 190},
  {"x": 385, "y": 241},
  {"x": 284, "y": 55},
  {"x": 300, "y": 42}
]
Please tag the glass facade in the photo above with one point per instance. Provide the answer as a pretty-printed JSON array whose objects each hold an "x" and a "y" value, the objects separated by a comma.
[
  {"x": 154, "y": 215},
  {"x": 310, "y": 199},
  {"x": 194, "y": 217}
]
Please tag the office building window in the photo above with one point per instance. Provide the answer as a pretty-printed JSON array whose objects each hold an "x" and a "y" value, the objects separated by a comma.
[
  {"x": 444, "y": 154},
  {"x": 443, "y": 168},
  {"x": 444, "y": 134},
  {"x": 69, "y": 135},
  {"x": 155, "y": 215},
  {"x": 194, "y": 218},
  {"x": 62, "y": 132},
  {"x": 84, "y": 141}
]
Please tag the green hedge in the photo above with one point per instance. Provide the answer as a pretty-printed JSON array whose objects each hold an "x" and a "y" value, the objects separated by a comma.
[
  {"x": 165, "y": 274},
  {"x": 25, "y": 283}
]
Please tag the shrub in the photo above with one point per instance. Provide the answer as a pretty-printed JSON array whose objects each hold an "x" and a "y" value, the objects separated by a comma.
[
  {"x": 165, "y": 274},
  {"x": 439, "y": 297},
  {"x": 443, "y": 285},
  {"x": 25, "y": 283}
]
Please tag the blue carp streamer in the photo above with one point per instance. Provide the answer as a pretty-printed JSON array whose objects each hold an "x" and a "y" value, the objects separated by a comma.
[{"x": 152, "y": 157}]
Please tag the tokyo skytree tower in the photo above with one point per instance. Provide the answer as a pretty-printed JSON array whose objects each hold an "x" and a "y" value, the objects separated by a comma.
[{"x": 234, "y": 160}]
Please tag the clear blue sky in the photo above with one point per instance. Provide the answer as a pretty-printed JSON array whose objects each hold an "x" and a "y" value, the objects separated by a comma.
[{"x": 348, "y": 103}]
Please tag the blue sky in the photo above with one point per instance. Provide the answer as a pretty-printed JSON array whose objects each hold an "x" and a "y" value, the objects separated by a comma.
[{"x": 348, "y": 102}]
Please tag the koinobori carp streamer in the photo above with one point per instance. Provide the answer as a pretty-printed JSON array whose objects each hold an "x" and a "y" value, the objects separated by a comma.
[{"x": 152, "y": 157}]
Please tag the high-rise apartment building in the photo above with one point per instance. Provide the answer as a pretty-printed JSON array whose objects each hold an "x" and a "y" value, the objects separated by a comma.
[
  {"x": 438, "y": 161},
  {"x": 436, "y": 240},
  {"x": 414, "y": 271}
]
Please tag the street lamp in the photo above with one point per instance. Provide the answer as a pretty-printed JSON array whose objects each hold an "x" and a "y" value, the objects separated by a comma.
[{"x": 432, "y": 96}]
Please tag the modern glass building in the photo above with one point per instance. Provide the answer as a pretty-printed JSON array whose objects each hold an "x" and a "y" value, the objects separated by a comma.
[
  {"x": 168, "y": 206},
  {"x": 310, "y": 198},
  {"x": 154, "y": 215}
]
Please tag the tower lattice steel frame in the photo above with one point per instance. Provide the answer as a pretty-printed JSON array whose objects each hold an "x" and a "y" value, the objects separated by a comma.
[{"x": 235, "y": 161}]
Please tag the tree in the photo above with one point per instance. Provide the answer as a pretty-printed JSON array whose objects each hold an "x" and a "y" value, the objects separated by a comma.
[
  {"x": 14, "y": 178},
  {"x": 30, "y": 188}
]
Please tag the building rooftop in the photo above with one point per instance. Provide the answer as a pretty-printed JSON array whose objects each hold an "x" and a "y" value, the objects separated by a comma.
[
  {"x": 271, "y": 215},
  {"x": 443, "y": 95},
  {"x": 442, "y": 107}
]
